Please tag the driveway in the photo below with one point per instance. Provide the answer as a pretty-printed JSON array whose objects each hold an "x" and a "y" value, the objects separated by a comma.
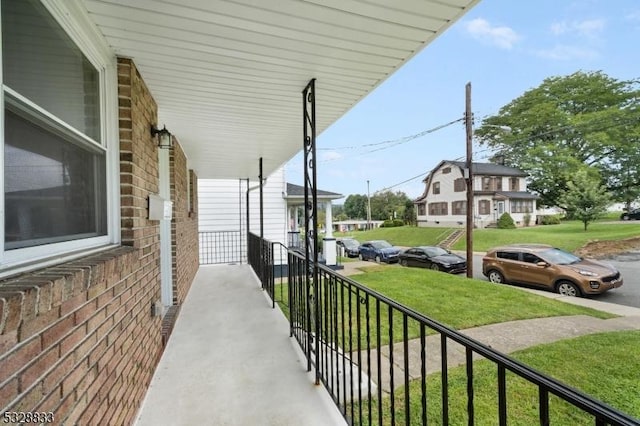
[{"x": 629, "y": 266}]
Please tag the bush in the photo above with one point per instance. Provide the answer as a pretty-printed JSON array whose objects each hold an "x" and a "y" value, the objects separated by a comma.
[
  {"x": 506, "y": 222},
  {"x": 549, "y": 220},
  {"x": 392, "y": 223}
]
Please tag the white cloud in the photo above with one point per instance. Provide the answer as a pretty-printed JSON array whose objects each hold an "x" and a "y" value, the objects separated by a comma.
[
  {"x": 587, "y": 28},
  {"x": 502, "y": 37},
  {"x": 567, "y": 53}
]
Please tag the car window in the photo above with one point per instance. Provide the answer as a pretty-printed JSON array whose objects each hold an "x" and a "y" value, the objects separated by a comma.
[
  {"x": 559, "y": 257},
  {"x": 380, "y": 244},
  {"x": 530, "y": 258},
  {"x": 509, "y": 255}
]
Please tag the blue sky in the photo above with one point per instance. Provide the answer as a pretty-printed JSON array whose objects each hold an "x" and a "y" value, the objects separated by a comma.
[{"x": 503, "y": 47}]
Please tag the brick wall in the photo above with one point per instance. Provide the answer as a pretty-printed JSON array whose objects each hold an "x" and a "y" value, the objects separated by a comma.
[
  {"x": 184, "y": 227},
  {"x": 78, "y": 339}
]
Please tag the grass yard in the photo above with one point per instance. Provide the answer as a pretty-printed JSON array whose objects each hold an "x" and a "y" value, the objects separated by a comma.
[
  {"x": 568, "y": 235},
  {"x": 606, "y": 366}
]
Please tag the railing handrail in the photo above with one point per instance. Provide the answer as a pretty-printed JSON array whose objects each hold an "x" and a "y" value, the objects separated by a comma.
[{"x": 598, "y": 409}]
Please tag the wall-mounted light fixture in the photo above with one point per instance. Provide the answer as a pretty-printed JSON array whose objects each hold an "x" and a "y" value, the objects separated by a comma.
[{"x": 163, "y": 135}]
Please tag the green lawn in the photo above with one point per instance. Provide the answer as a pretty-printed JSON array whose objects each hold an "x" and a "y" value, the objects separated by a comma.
[
  {"x": 568, "y": 235},
  {"x": 606, "y": 366}
]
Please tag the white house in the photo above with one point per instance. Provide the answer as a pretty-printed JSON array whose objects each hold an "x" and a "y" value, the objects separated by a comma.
[
  {"x": 496, "y": 189},
  {"x": 223, "y": 218}
]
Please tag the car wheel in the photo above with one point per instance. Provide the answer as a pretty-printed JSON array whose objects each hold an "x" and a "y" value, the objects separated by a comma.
[
  {"x": 361, "y": 257},
  {"x": 625, "y": 217},
  {"x": 495, "y": 277},
  {"x": 403, "y": 262},
  {"x": 567, "y": 288},
  {"x": 434, "y": 267},
  {"x": 377, "y": 259}
]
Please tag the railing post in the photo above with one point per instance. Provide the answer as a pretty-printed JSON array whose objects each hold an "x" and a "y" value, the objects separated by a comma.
[{"x": 311, "y": 216}]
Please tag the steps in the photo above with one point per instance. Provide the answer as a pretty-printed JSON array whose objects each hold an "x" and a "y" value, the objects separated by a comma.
[{"x": 451, "y": 239}]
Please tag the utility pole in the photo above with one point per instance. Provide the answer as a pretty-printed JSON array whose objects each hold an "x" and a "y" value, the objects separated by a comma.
[
  {"x": 468, "y": 121},
  {"x": 368, "y": 207}
]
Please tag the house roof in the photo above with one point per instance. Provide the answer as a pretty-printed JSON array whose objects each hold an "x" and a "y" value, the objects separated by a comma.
[
  {"x": 490, "y": 169},
  {"x": 297, "y": 191},
  {"x": 228, "y": 76}
]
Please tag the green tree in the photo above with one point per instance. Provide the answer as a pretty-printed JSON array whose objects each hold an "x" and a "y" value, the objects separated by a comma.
[
  {"x": 409, "y": 215},
  {"x": 585, "y": 198},
  {"x": 586, "y": 119},
  {"x": 388, "y": 205},
  {"x": 355, "y": 206}
]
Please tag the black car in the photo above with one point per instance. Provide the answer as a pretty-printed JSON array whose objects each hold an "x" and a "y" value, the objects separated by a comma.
[
  {"x": 435, "y": 258},
  {"x": 350, "y": 246},
  {"x": 631, "y": 214}
]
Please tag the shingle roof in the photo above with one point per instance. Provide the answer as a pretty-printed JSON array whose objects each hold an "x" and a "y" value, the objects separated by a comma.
[
  {"x": 490, "y": 169},
  {"x": 297, "y": 191}
]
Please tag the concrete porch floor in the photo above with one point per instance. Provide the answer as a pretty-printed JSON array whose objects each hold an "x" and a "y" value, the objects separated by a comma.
[{"x": 230, "y": 361}]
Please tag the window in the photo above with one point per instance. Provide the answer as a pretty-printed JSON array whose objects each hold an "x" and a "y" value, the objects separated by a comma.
[
  {"x": 438, "y": 209},
  {"x": 521, "y": 206},
  {"x": 422, "y": 209},
  {"x": 459, "y": 207},
  {"x": 514, "y": 184},
  {"x": 530, "y": 258},
  {"x": 484, "y": 207},
  {"x": 55, "y": 155},
  {"x": 446, "y": 170},
  {"x": 459, "y": 185},
  {"x": 491, "y": 183},
  {"x": 436, "y": 187},
  {"x": 508, "y": 255}
]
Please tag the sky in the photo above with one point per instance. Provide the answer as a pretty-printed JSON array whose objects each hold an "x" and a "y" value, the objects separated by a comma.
[{"x": 503, "y": 48}]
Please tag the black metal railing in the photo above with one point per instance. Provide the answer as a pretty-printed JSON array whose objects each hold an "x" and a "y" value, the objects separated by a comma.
[
  {"x": 220, "y": 247},
  {"x": 384, "y": 363},
  {"x": 269, "y": 261}
]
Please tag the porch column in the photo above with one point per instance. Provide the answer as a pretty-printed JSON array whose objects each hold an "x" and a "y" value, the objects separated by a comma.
[{"x": 329, "y": 243}]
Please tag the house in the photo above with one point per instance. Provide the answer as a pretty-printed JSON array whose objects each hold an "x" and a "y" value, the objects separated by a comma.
[
  {"x": 356, "y": 225},
  {"x": 223, "y": 210},
  {"x": 497, "y": 189},
  {"x": 113, "y": 113}
]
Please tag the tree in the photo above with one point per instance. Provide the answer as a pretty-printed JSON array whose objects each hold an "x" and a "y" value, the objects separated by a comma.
[
  {"x": 586, "y": 119},
  {"x": 388, "y": 205},
  {"x": 355, "y": 206},
  {"x": 585, "y": 198},
  {"x": 409, "y": 215}
]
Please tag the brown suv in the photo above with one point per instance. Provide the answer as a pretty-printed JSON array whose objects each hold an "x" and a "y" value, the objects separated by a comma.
[{"x": 546, "y": 266}]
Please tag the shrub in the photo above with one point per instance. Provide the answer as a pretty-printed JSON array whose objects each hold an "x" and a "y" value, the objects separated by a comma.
[
  {"x": 549, "y": 220},
  {"x": 506, "y": 222},
  {"x": 389, "y": 223}
]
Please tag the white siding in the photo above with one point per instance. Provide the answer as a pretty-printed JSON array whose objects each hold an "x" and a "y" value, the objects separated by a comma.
[{"x": 222, "y": 207}]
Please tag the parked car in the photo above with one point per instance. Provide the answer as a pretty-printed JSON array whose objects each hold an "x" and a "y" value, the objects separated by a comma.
[
  {"x": 552, "y": 268},
  {"x": 350, "y": 246},
  {"x": 435, "y": 258},
  {"x": 631, "y": 214},
  {"x": 380, "y": 251}
]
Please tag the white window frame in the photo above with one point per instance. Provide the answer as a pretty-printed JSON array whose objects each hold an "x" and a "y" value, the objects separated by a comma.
[{"x": 74, "y": 20}]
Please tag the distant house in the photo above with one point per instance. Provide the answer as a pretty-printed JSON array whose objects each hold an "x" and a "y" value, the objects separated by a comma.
[
  {"x": 355, "y": 225},
  {"x": 496, "y": 189},
  {"x": 223, "y": 222}
]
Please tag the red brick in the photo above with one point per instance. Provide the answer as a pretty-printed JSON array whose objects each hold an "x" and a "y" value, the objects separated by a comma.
[
  {"x": 29, "y": 328},
  {"x": 9, "y": 390},
  {"x": 73, "y": 339},
  {"x": 57, "y": 331},
  {"x": 8, "y": 341},
  {"x": 36, "y": 370},
  {"x": 73, "y": 377},
  {"x": 84, "y": 348},
  {"x": 53, "y": 379},
  {"x": 30, "y": 399},
  {"x": 51, "y": 401},
  {"x": 13, "y": 305},
  {"x": 74, "y": 303},
  {"x": 19, "y": 357},
  {"x": 84, "y": 312}
]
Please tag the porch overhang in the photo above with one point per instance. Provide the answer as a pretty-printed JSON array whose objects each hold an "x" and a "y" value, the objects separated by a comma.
[{"x": 227, "y": 76}]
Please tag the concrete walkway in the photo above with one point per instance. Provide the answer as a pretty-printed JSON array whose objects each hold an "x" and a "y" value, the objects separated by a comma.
[
  {"x": 230, "y": 361},
  {"x": 505, "y": 337}
]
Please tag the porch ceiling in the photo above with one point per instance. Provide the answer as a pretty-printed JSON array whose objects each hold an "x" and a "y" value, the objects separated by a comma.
[{"x": 228, "y": 75}]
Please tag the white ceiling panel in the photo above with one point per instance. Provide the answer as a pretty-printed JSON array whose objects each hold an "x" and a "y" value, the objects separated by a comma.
[{"x": 228, "y": 75}]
